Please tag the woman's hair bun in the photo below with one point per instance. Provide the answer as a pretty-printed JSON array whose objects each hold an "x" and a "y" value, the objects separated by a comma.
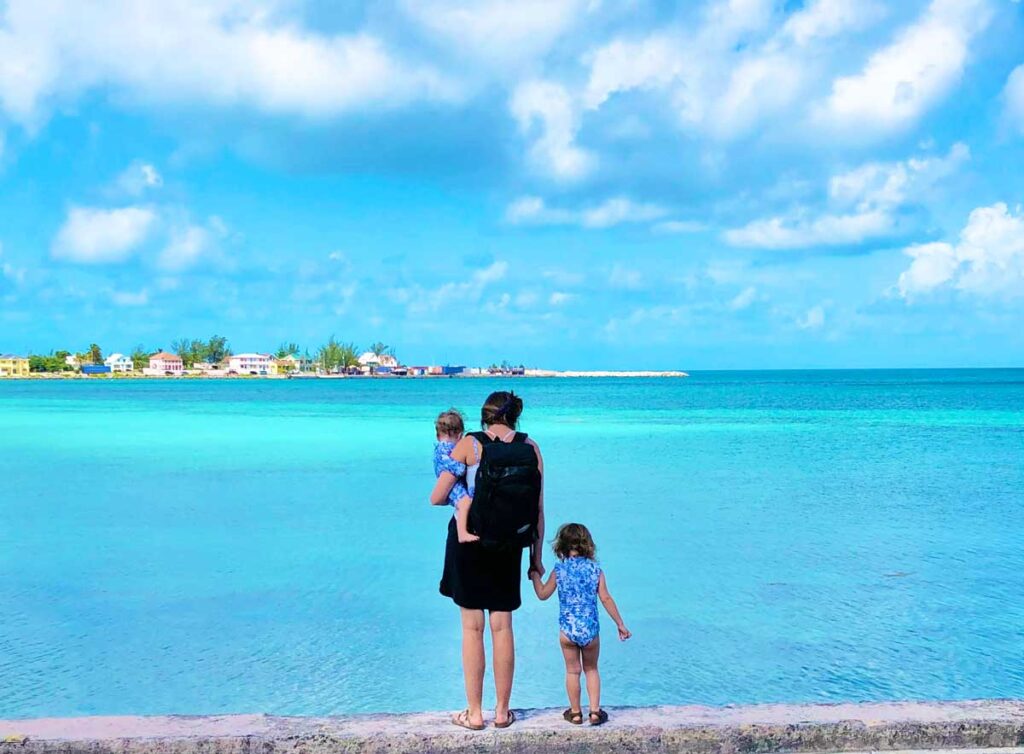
[{"x": 501, "y": 407}]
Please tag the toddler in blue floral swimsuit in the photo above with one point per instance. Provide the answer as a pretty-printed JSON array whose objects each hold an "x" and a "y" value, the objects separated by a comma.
[
  {"x": 580, "y": 582},
  {"x": 450, "y": 427}
]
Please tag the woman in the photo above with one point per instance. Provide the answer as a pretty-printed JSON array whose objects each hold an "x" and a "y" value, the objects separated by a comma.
[{"x": 480, "y": 579}]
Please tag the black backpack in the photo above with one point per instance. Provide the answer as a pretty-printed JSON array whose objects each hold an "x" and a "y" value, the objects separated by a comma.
[{"x": 506, "y": 498}]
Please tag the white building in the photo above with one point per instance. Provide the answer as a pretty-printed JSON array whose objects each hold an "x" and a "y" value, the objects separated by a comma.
[
  {"x": 164, "y": 363},
  {"x": 250, "y": 363},
  {"x": 371, "y": 362},
  {"x": 118, "y": 362}
]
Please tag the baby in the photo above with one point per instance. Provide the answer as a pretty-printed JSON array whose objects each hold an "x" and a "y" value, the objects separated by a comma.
[{"x": 450, "y": 429}]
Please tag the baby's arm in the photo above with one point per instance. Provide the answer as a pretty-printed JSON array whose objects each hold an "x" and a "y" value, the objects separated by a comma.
[
  {"x": 542, "y": 588},
  {"x": 611, "y": 607}
]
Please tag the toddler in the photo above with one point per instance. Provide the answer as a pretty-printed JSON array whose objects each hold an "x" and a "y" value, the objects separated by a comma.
[
  {"x": 580, "y": 581},
  {"x": 450, "y": 428}
]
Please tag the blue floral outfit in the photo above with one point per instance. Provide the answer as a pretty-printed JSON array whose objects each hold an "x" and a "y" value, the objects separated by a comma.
[
  {"x": 443, "y": 461},
  {"x": 577, "y": 579}
]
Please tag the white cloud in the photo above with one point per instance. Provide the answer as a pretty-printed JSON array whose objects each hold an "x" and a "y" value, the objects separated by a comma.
[
  {"x": 864, "y": 202},
  {"x": 827, "y": 230},
  {"x": 734, "y": 71},
  {"x": 102, "y": 236},
  {"x": 813, "y": 318},
  {"x": 903, "y": 80},
  {"x": 558, "y": 298},
  {"x": 546, "y": 112},
  {"x": 16, "y": 275},
  {"x": 222, "y": 52},
  {"x": 623, "y": 277},
  {"x": 621, "y": 65},
  {"x": 888, "y": 185},
  {"x": 620, "y": 210},
  {"x": 824, "y": 19},
  {"x": 185, "y": 248},
  {"x": 532, "y": 210},
  {"x": 130, "y": 298},
  {"x": 503, "y": 33},
  {"x": 743, "y": 299},
  {"x": 1014, "y": 97},
  {"x": 138, "y": 177},
  {"x": 987, "y": 260},
  {"x": 421, "y": 301},
  {"x": 679, "y": 226}
]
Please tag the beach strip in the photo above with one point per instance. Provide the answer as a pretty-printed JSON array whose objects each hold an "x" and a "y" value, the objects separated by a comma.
[{"x": 760, "y": 729}]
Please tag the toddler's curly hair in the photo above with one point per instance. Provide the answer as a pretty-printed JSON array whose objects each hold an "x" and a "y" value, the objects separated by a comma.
[
  {"x": 450, "y": 422},
  {"x": 574, "y": 538}
]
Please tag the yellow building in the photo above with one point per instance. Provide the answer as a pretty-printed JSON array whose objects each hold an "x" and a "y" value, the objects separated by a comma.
[{"x": 13, "y": 366}]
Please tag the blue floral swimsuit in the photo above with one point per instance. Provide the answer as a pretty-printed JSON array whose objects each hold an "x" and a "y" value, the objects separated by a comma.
[
  {"x": 577, "y": 579},
  {"x": 443, "y": 461}
]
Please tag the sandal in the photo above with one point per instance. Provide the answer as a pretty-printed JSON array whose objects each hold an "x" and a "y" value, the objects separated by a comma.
[
  {"x": 576, "y": 718},
  {"x": 508, "y": 720},
  {"x": 598, "y": 718},
  {"x": 462, "y": 720}
]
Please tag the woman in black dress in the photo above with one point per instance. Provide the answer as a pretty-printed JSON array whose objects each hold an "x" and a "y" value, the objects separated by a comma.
[{"x": 480, "y": 579}]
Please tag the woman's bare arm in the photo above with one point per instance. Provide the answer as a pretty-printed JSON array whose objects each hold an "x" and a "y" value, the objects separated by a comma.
[
  {"x": 537, "y": 549},
  {"x": 442, "y": 488},
  {"x": 611, "y": 607}
]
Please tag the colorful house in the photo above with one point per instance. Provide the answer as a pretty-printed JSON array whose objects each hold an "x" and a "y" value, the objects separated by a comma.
[
  {"x": 371, "y": 363},
  {"x": 13, "y": 366},
  {"x": 164, "y": 363},
  {"x": 118, "y": 362},
  {"x": 251, "y": 363}
]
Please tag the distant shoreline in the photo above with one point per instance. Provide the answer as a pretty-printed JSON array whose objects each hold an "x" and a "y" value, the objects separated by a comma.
[{"x": 530, "y": 373}]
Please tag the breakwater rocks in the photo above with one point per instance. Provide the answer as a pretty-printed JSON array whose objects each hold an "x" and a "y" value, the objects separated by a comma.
[{"x": 761, "y": 729}]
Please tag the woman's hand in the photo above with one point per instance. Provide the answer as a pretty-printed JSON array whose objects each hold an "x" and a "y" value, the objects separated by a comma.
[
  {"x": 623, "y": 632},
  {"x": 537, "y": 567}
]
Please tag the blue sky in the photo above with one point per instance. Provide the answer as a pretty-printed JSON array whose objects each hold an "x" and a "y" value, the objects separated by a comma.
[{"x": 565, "y": 183}]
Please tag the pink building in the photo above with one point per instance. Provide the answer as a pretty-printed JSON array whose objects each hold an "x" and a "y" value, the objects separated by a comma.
[{"x": 163, "y": 362}]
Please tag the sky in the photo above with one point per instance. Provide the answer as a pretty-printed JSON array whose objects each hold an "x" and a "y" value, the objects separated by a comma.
[{"x": 562, "y": 183}]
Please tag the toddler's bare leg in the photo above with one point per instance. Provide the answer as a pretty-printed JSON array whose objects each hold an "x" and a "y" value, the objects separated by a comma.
[
  {"x": 571, "y": 653},
  {"x": 590, "y": 654},
  {"x": 462, "y": 520}
]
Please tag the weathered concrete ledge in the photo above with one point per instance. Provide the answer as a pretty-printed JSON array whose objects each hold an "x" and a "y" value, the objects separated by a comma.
[{"x": 761, "y": 729}]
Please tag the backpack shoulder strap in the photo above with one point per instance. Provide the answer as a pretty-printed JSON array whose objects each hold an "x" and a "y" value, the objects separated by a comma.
[
  {"x": 520, "y": 437},
  {"x": 481, "y": 437}
]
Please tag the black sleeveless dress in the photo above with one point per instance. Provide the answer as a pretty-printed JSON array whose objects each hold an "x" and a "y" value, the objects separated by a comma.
[{"x": 481, "y": 578}]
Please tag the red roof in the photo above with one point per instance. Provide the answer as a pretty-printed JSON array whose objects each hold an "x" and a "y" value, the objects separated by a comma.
[{"x": 163, "y": 355}]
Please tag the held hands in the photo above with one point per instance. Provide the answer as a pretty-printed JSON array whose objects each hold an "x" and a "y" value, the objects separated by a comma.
[{"x": 623, "y": 632}]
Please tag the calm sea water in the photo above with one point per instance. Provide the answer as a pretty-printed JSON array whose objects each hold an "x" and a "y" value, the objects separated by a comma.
[{"x": 208, "y": 547}]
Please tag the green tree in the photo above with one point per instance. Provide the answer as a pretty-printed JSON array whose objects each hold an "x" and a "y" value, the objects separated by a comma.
[
  {"x": 349, "y": 356},
  {"x": 334, "y": 355},
  {"x": 217, "y": 349},
  {"x": 140, "y": 357},
  {"x": 52, "y": 362},
  {"x": 379, "y": 349},
  {"x": 197, "y": 351},
  {"x": 287, "y": 349},
  {"x": 183, "y": 348},
  {"x": 95, "y": 354}
]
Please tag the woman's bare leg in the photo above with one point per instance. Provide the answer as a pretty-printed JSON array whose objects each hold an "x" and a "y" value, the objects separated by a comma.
[
  {"x": 571, "y": 653},
  {"x": 590, "y": 654},
  {"x": 473, "y": 662},
  {"x": 504, "y": 657}
]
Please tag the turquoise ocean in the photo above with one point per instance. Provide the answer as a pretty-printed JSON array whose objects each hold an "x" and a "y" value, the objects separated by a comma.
[{"x": 258, "y": 545}]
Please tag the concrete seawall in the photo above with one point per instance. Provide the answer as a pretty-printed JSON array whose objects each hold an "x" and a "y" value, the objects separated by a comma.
[{"x": 762, "y": 729}]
